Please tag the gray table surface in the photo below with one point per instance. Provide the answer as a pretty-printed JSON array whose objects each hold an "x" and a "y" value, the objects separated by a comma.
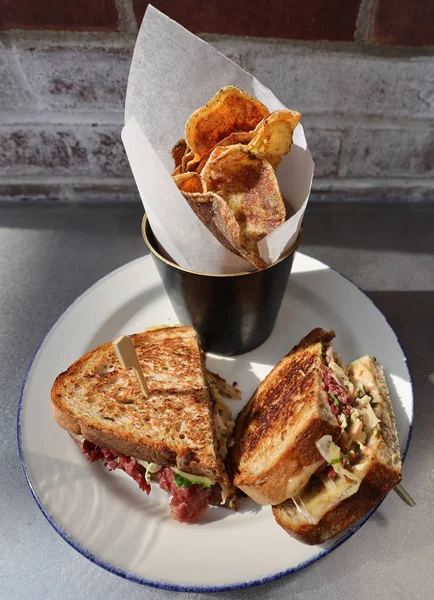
[{"x": 50, "y": 254}]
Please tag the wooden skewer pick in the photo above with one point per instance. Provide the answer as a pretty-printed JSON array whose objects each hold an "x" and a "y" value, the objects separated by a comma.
[
  {"x": 127, "y": 356},
  {"x": 404, "y": 495}
]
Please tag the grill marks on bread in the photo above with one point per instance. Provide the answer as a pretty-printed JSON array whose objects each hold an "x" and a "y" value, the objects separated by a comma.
[
  {"x": 174, "y": 426},
  {"x": 275, "y": 406},
  {"x": 276, "y": 431},
  {"x": 284, "y": 395}
]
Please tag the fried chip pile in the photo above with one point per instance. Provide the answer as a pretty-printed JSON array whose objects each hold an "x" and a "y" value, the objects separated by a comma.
[{"x": 225, "y": 168}]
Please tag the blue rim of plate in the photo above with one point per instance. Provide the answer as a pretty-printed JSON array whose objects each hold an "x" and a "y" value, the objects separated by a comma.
[{"x": 161, "y": 584}]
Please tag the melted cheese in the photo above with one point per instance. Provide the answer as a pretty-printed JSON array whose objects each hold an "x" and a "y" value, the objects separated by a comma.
[
  {"x": 314, "y": 503},
  {"x": 228, "y": 492},
  {"x": 296, "y": 483},
  {"x": 364, "y": 377},
  {"x": 150, "y": 467},
  {"x": 319, "y": 497}
]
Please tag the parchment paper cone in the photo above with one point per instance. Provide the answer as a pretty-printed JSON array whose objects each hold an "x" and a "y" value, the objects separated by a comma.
[{"x": 173, "y": 72}]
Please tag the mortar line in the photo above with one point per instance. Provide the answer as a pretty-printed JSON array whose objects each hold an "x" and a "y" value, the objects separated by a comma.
[
  {"x": 342, "y": 151},
  {"x": 44, "y": 118},
  {"x": 21, "y": 77},
  {"x": 127, "y": 18},
  {"x": 354, "y": 183},
  {"x": 358, "y": 48},
  {"x": 350, "y": 183},
  {"x": 59, "y": 180},
  {"x": 364, "y": 20},
  {"x": 321, "y": 121},
  {"x": 397, "y": 123},
  {"x": 25, "y": 38}
]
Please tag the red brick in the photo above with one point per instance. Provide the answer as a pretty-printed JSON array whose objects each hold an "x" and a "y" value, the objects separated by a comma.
[
  {"x": 290, "y": 19},
  {"x": 87, "y": 15},
  {"x": 403, "y": 23}
]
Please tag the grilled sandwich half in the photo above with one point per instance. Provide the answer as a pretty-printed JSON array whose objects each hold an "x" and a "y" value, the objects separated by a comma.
[
  {"x": 360, "y": 467},
  {"x": 178, "y": 435},
  {"x": 274, "y": 453}
]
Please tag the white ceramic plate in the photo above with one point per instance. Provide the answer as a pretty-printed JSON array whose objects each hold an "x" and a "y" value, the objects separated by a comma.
[{"x": 105, "y": 516}]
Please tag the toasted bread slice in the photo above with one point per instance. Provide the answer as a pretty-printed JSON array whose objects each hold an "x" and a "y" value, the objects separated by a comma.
[
  {"x": 175, "y": 426},
  {"x": 274, "y": 453},
  {"x": 380, "y": 472}
]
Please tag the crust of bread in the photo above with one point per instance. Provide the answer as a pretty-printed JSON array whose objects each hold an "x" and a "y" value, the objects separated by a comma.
[
  {"x": 377, "y": 483},
  {"x": 275, "y": 433},
  {"x": 65, "y": 420},
  {"x": 100, "y": 400}
]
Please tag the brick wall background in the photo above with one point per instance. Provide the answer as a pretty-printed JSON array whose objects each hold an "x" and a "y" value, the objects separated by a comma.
[{"x": 360, "y": 71}]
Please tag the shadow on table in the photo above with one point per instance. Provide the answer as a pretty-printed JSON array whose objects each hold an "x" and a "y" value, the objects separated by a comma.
[
  {"x": 97, "y": 218},
  {"x": 364, "y": 225}
]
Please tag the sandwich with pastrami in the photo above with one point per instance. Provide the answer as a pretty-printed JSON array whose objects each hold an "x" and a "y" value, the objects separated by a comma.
[
  {"x": 317, "y": 441},
  {"x": 177, "y": 437}
]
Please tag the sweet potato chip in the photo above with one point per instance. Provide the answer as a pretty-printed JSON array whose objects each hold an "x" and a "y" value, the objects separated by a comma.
[
  {"x": 225, "y": 168},
  {"x": 237, "y": 137},
  {"x": 178, "y": 152},
  {"x": 215, "y": 153},
  {"x": 229, "y": 110},
  {"x": 189, "y": 182},
  {"x": 189, "y": 162},
  {"x": 273, "y": 136},
  {"x": 188, "y": 156},
  {"x": 249, "y": 186},
  {"x": 192, "y": 164},
  {"x": 216, "y": 215}
]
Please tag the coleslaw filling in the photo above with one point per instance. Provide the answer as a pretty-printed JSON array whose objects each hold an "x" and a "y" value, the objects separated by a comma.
[{"x": 346, "y": 460}]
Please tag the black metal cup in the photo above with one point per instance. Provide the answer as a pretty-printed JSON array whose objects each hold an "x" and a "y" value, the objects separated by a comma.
[{"x": 232, "y": 313}]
